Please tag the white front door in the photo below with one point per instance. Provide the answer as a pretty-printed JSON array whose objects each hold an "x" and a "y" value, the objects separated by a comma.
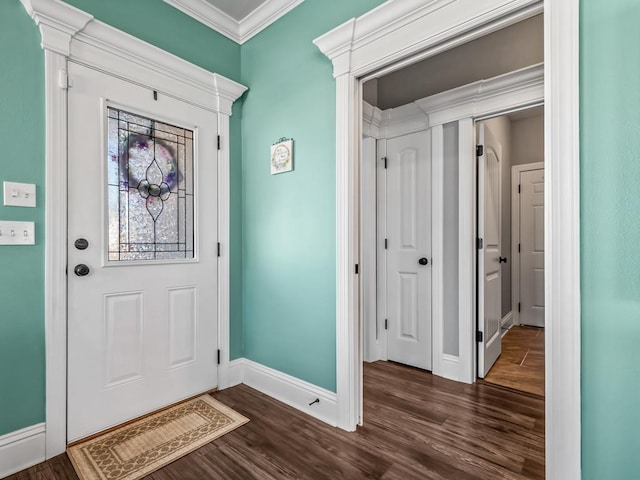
[
  {"x": 142, "y": 236},
  {"x": 489, "y": 260},
  {"x": 409, "y": 249},
  {"x": 532, "y": 248}
]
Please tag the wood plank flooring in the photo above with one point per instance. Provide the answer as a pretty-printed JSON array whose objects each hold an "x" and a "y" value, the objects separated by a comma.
[
  {"x": 417, "y": 426},
  {"x": 521, "y": 364}
]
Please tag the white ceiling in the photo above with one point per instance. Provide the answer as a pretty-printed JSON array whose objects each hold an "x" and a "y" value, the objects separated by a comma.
[
  {"x": 237, "y": 9},
  {"x": 237, "y": 19}
]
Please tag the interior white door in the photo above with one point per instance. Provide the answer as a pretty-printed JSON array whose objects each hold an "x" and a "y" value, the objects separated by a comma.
[
  {"x": 409, "y": 249},
  {"x": 489, "y": 260},
  {"x": 142, "y": 182},
  {"x": 532, "y": 248}
]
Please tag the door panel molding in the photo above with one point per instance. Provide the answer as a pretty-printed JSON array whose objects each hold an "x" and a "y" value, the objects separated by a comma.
[
  {"x": 69, "y": 33},
  {"x": 398, "y": 33}
]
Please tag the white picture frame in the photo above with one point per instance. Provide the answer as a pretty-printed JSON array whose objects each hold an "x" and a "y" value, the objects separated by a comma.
[{"x": 281, "y": 156}]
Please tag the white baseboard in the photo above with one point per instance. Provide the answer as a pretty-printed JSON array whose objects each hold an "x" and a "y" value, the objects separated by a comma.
[
  {"x": 236, "y": 372},
  {"x": 290, "y": 390},
  {"x": 22, "y": 449},
  {"x": 507, "y": 321},
  {"x": 450, "y": 366}
]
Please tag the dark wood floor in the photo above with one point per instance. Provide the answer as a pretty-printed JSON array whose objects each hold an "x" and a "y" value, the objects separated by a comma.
[
  {"x": 417, "y": 426},
  {"x": 521, "y": 363}
]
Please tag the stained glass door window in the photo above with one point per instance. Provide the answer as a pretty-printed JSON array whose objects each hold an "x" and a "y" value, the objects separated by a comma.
[{"x": 150, "y": 189}]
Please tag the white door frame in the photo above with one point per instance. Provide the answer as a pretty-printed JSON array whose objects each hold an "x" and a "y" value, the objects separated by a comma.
[
  {"x": 71, "y": 34},
  {"x": 393, "y": 32},
  {"x": 516, "y": 170}
]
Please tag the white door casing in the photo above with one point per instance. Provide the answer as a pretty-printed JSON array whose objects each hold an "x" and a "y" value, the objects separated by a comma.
[
  {"x": 531, "y": 240},
  {"x": 397, "y": 31},
  {"x": 489, "y": 259},
  {"x": 142, "y": 334},
  {"x": 409, "y": 249}
]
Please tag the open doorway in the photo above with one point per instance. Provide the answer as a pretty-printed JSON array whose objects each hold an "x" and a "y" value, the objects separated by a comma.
[
  {"x": 392, "y": 33},
  {"x": 418, "y": 222},
  {"x": 417, "y": 127},
  {"x": 511, "y": 258}
]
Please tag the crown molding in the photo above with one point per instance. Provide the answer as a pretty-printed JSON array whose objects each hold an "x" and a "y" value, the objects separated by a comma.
[
  {"x": 371, "y": 120},
  {"x": 237, "y": 30},
  {"x": 497, "y": 94},
  {"x": 520, "y": 87},
  {"x": 265, "y": 15},
  {"x": 210, "y": 16}
]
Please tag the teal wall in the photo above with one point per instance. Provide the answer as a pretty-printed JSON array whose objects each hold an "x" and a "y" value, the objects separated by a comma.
[
  {"x": 289, "y": 243},
  {"x": 21, "y": 268},
  {"x": 22, "y": 363},
  {"x": 610, "y": 222}
]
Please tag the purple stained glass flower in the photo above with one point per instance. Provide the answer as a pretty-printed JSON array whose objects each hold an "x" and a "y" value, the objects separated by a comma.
[{"x": 160, "y": 176}]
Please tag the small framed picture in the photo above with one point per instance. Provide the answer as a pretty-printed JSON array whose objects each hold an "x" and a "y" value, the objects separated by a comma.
[{"x": 282, "y": 156}]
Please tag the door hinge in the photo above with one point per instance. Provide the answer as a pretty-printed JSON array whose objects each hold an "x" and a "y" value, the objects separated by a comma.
[
  {"x": 518, "y": 248},
  {"x": 218, "y": 142},
  {"x": 63, "y": 79},
  {"x": 518, "y": 307},
  {"x": 518, "y": 188},
  {"x": 385, "y": 162},
  {"x": 386, "y": 324},
  {"x": 480, "y": 244},
  {"x": 357, "y": 269},
  {"x": 218, "y": 248},
  {"x": 155, "y": 95},
  {"x": 386, "y": 244},
  {"x": 479, "y": 150},
  {"x": 479, "y": 337},
  {"x": 218, "y": 356}
]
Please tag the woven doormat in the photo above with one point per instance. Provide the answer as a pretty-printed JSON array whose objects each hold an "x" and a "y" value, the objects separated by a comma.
[{"x": 143, "y": 446}]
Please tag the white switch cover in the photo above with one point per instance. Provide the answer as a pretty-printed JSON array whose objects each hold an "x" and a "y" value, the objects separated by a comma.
[
  {"x": 19, "y": 194},
  {"x": 17, "y": 233}
]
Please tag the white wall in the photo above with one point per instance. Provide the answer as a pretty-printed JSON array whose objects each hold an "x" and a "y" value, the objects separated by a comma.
[
  {"x": 527, "y": 139},
  {"x": 501, "y": 129}
]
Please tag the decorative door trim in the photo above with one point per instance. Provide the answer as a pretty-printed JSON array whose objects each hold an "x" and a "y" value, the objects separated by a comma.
[{"x": 70, "y": 34}]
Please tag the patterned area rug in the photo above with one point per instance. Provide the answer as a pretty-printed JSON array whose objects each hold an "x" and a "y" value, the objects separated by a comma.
[{"x": 143, "y": 446}]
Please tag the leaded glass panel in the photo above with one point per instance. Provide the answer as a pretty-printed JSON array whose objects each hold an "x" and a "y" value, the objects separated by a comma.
[{"x": 150, "y": 189}]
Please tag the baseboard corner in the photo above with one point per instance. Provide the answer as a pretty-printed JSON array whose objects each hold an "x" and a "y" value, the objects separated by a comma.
[
  {"x": 301, "y": 395},
  {"x": 507, "y": 321}
]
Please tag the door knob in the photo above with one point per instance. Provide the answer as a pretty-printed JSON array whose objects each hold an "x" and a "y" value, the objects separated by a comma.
[
  {"x": 423, "y": 261},
  {"x": 502, "y": 260},
  {"x": 81, "y": 270}
]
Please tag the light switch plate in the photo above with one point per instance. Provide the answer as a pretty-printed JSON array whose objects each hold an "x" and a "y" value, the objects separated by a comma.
[
  {"x": 19, "y": 194},
  {"x": 17, "y": 233}
]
